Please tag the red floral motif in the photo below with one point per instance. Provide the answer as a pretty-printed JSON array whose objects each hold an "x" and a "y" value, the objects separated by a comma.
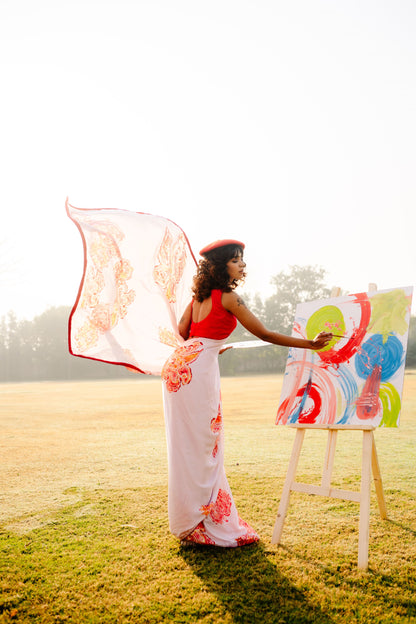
[
  {"x": 125, "y": 298},
  {"x": 168, "y": 337},
  {"x": 222, "y": 508},
  {"x": 176, "y": 371},
  {"x": 87, "y": 336},
  {"x": 216, "y": 425},
  {"x": 93, "y": 285},
  {"x": 123, "y": 270},
  {"x": 199, "y": 536},
  {"x": 171, "y": 264},
  {"x": 103, "y": 249},
  {"x": 206, "y": 509},
  {"x": 101, "y": 317},
  {"x": 216, "y": 422},
  {"x": 250, "y": 538}
]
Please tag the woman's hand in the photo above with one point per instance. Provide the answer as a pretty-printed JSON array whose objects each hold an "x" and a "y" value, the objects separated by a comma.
[{"x": 321, "y": 340}]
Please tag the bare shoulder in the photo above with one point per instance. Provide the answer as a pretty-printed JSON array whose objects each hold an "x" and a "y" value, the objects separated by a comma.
[{"x": 232, "y": 301}]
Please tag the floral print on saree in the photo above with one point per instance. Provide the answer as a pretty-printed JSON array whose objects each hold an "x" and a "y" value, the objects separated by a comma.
[
  {"x": 103, "y": 315},
  {"x": 171, "y": 261},
  {"x": 177, "y": 371}
]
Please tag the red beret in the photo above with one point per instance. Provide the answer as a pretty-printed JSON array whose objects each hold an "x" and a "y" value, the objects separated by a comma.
[{"x": 220, "y": 243}]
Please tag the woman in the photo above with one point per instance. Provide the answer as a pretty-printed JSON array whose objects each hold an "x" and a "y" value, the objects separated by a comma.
[{"x": 201, "y": 506}]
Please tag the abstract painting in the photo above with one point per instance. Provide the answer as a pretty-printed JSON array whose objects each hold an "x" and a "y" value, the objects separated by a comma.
[{"x": 358, "y": 378}]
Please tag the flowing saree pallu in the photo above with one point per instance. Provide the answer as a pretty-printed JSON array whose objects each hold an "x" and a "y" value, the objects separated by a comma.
[{"x": 138, "y": 271}]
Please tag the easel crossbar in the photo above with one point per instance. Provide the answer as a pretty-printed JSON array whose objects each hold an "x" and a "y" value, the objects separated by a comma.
[{"x": 320, "y": 490}]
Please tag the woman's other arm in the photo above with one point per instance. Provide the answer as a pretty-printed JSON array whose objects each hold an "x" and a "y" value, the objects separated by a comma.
[{"x": 185, "y": 322}]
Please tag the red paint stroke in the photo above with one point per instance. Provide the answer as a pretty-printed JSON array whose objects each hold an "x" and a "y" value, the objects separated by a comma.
[
  {"x": 283, "y": 411},
  {"x": 297, "y": 329},
  {"x": 334, "y": 357},
  {"x": 311, "y": 414},
  {"x": 368, "y": 404},
  {"x": 285, "y": 408}
]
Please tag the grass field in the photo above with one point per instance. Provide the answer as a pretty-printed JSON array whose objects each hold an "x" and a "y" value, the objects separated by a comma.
[{"x": 83, "y": 510}]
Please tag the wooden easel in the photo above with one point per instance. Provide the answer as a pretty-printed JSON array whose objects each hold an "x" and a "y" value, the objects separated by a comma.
[{"x": 369, "y": 463}]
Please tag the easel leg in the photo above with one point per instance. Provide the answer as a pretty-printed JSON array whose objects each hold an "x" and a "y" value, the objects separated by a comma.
[
  {"x": 364, "y": 528},
  {"x": 329, "y": 458},
  {"x": 377, "y": 481},
  {"x": 284, "y": 501}
]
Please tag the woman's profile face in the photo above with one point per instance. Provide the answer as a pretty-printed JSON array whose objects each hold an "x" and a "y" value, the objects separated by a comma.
[{"x": 235, "y": 267}]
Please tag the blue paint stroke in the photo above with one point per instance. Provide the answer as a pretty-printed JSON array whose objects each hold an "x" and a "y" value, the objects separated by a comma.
[
  {"x": 293, "y": 418},
  {"x": 373, "y": 353},
  {"x": 349, "y": 389}
]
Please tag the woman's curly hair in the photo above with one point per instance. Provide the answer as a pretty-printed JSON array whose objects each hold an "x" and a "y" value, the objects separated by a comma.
[{"x": 212, "y": 272}]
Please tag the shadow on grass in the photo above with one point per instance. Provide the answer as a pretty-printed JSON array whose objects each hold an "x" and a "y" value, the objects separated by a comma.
[
  {"x": 250, "y": 587},
  {"x": 404, "y": 527}
]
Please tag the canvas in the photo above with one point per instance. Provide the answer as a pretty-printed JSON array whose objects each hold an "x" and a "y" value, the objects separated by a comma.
[{"x": 358, "y": 378}]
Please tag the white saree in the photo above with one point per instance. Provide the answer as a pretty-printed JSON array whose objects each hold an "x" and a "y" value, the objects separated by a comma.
[
  {"x": 137, "y": 279},
  {"x": 201, "y": 506}
]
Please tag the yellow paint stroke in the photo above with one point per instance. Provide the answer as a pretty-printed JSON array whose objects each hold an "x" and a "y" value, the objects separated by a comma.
[
  {"x": 390, "y": 400},
  {"x": 329, "y": 319},
  {"x": 388, "y": 313}
]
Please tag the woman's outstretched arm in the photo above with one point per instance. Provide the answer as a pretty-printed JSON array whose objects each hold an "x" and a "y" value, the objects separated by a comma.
[{"x": 234, "y": 304}]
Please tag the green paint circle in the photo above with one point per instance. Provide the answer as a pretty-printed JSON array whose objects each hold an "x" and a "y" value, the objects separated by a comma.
[{"x": 328, "y": 319}]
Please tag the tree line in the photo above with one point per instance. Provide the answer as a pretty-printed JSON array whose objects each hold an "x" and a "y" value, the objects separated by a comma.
[{"x": 37, "y": 350}]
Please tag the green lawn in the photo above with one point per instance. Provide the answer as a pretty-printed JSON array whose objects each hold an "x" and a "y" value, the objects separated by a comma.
[{"x": 84, "y": 529}]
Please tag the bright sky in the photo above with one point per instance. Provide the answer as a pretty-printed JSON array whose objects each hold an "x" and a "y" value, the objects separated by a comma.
[{"x": 289, "y": 124}]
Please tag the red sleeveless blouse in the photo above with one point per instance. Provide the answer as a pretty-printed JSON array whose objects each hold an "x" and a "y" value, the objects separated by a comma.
[{"x": 218, "y": 324}]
